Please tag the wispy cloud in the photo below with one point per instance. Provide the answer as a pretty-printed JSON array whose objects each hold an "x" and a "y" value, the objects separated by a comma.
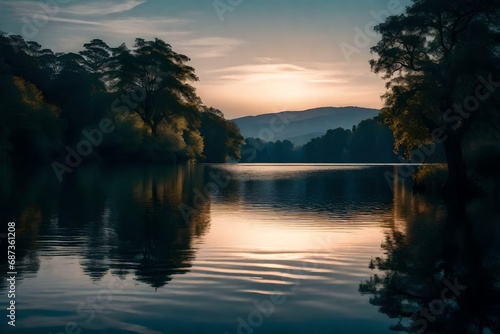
[
  {"x": 75, "y": 21},
  {"x": 137, "y": 26},
  {"x": 171, "y": 30},
  {"x": 209, "y": 47},
  {"x": 21, "y": 8},
  {"x": 267, "y": 59},
  {"x": 93, "y": 18},
  {"x": 94, "y": 8},
  {"x": 281, "y": 71},
  {"x": 102, "y": 7}
]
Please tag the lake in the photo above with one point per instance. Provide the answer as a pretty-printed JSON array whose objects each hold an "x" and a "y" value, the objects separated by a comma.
[{"x": 285, "y": 249}]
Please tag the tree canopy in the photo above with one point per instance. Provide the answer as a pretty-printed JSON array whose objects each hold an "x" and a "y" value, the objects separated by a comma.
[
  {"x": 367, "y": 142},
  {"x": 441, "y": 60},
  {"x": 51, "y": 102}
]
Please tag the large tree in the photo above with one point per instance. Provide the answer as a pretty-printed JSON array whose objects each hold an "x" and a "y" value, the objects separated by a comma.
[
  {"x": 50, "y": 100},
  {"x": 160, "y": 79},
  {"x": 438, "y": 57}
]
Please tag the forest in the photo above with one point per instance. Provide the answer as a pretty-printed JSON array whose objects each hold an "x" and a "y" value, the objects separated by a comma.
[
  {"x": 138, "y": 104},
  {"x": 111, "y": 104},
  {"x": 368, "y": 142},
  {"x": 441, "y": 63},
  {"x": 135, "y": 105}
]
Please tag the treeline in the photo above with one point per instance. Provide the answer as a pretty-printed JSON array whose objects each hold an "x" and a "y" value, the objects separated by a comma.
[
  {"x": 115, "y": 104},
  {"x": 367, "y": 142}
]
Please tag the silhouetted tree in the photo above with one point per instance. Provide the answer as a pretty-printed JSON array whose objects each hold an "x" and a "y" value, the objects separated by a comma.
[
  {"x": 433, "y": 55},
  {"x": 371, "y": 142},
  {"x": 222, "y": 138},
  {"x": 48, "y": 99},
  {"x": 329, "y": 148},
  {"x": 159, "y": 77},
  {"x": 368, "y": 142}
]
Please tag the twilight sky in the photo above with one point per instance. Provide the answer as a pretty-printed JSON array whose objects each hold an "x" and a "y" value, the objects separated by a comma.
[{"x": 252, "y": 56}]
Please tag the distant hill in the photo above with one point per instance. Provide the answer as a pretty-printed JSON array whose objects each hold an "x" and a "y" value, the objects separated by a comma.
[{"x": 303, "y": 125}]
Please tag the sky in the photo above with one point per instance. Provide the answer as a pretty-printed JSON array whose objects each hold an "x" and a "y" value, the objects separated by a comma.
[{"x": 252, "y": 56}]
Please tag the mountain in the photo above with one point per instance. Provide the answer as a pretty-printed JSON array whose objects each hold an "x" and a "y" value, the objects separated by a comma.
[{"x": 301, "y": 126}]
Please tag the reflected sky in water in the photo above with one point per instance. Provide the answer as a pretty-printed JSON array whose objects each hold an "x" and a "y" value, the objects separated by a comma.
[{"x": 270, "y": 249}]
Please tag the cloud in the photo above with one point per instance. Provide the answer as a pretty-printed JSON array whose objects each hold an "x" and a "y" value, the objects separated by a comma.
[
  {"x": 75, "y": 21},
  {"x": 169, "y": 30},
  {"x": 209, "y": 47},
  {"x": 267, "y": 60},
  {"x": 24, "y": 8},
  {"x": 30, "y": 8},
  {"x": 91, "y": 18},
  {"x": 102, "y": 7},
  {"x": 251, "y": 73},
  {"x": 125, "y": 29}
]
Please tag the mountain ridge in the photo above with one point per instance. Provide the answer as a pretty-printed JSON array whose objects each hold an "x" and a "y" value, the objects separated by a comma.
[{"x": 303, "y": 125}]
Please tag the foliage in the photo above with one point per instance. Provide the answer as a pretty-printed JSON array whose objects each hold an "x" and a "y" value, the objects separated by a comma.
[
  {"x": 222, "y": 138},
  {"x": 367, "y": 142},
  {"x": 330, "y": 147},
  {"x": 434, "y": 56},
  {"x": 29, "y": 126},
  {"x": 160, "y": 77},
  {"x": 429, "y": 178},
  {"x": 48, "y": 100},
  {"x": 371, "y": 142}
]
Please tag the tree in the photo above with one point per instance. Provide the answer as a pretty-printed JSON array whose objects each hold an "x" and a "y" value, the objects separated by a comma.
[
  {"x": 160, "y": 78},
  {"x": 29, "y": 127},
  {"x": 371, "y": 142},
  {"x": 222, "y": 138},
  {"x": 81, "y": 95},
  {"x": 432, "y": 56},
  {"x": 283, "y": 151},
  {"x": 96, "y": 56},
  {"x": 328, "y": 148},
  {"x": 49, "y": 100}
]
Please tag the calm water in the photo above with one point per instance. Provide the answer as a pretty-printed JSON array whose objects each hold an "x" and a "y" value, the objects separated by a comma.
[{"x": 243, "y": 249}]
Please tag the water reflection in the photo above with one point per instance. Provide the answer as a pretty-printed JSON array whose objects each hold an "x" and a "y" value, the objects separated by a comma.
[
  {"x": 334, "y": 191},
  {"x": 124, "y": 221},
  {"x": 306, "y": 231},
  {"x": 441, "y": 273}
]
